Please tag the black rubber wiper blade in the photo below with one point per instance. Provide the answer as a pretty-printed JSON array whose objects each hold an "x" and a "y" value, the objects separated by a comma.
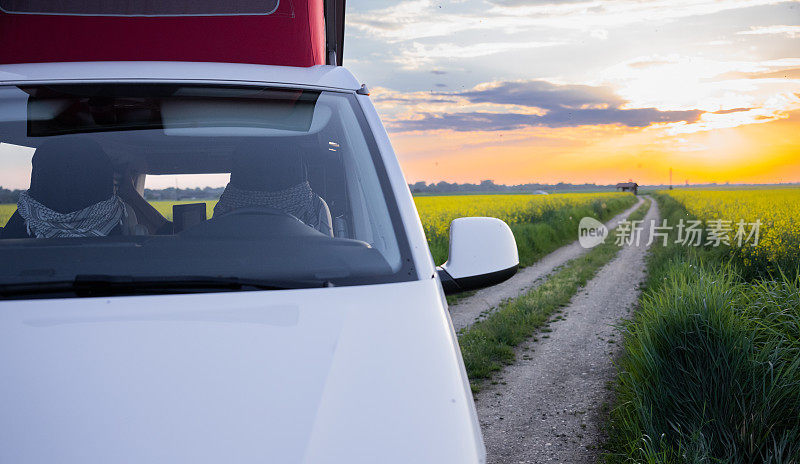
[
  {"x": 7, "y": 290},
  {"x": 114, "y": 281},
  {"x": 108, "y": 285},
  {"x": 189, "y": 282}
]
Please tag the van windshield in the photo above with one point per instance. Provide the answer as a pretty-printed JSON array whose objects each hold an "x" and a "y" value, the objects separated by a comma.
[{"x": 154, "y": 188}]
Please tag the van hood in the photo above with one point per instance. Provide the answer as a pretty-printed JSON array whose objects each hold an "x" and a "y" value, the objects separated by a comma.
[{"x": 351, "y": 374}]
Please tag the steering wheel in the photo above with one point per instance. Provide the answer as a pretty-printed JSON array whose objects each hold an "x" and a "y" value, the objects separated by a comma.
[
  {"x": 246, "y": 222},
  {"x": 259, "y": 210}
]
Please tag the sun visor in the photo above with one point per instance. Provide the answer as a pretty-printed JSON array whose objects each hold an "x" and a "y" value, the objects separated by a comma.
[
  {"x": 177, "y": 110},
  {"x": 218, "y": 119}
]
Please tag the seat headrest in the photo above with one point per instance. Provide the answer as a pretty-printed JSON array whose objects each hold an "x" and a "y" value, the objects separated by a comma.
[
  {"x": 71, "y": 173},
  {"x": 267, "y": 166}
]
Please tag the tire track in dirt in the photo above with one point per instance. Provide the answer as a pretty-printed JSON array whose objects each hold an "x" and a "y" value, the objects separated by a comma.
[
  {"x": 549, "y": 405},
  {"x": 471, "y": 308}
]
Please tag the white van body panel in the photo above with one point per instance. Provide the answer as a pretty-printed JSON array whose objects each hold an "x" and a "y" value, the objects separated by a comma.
[
  {"x": 405, "y": 202},
  {"x": 351, "y": 374},
  {"x": 322, "y": 77},
  {"x": 369, "y": 373}
]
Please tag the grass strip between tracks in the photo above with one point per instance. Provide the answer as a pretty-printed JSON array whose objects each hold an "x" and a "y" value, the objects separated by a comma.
[{"x": 488, "y": 344}]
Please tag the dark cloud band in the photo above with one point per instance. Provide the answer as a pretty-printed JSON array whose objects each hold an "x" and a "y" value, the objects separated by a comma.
[
  {"x": 563, "y": 105},
  {"x": 464, "y": 122}
]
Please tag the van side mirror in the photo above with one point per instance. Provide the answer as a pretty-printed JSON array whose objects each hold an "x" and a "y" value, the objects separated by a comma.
[{"x": 483, "y": 252}]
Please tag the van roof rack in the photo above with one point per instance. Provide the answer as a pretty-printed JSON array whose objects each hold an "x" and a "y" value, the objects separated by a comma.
[{"x": 334, "y": 31}]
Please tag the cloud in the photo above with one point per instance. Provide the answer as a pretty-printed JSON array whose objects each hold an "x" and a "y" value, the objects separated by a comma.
[
  {"x": 420, "y": 55},
  {"x": 534, "y": 2},
  {"x": 790, "y": 31},
  {"x": 647, "y": 64},
  {"x": 732, "y": 110},
  {"x": 396, "y": 97},
  {"x": 467, "y": 122},
  {"x": 563, "y": 105},
  {"x": 380, "y": 25},
  {"x": 786, "y": 73},
  {"x": 543, "y": 94},
  {"x": 414, "y": 20}
]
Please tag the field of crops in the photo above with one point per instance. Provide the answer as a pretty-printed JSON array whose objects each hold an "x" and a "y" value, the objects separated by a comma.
[
  {"x": 5, "y": 212},
  {"x": 711, "y": 364},
  {"x": 776, "y": 210},
  {"x": 541, "y": 223},
  {"x": 163, "y": 207},
  {"x": 437, "y": 211}
]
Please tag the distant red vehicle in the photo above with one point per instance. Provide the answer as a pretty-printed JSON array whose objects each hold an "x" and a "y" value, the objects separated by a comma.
[{"x": 274, "y": 32}]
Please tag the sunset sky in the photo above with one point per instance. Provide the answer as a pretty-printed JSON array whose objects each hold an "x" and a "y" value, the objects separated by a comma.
[{"x": 584, "y": 91}]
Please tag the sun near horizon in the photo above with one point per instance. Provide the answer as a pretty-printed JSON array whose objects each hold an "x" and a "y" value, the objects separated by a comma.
[{"x": 585, "y": 91}]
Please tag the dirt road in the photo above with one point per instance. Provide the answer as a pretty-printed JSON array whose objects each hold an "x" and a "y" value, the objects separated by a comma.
[
  {"x": 467, "y": 310},
  {"x": 549, "y": 406}
]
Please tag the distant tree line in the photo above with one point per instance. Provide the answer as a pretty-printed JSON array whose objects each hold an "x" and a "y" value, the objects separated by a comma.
[
  {"x": 488, "y": 186},
  {"x": 485, "y": 186},
  {"x": 207, "y": 193},
  {"x": 171, "y": 193},
  {"x": 9, "y": 196}
]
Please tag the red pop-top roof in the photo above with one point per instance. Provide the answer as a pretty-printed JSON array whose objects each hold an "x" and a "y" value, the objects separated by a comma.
[{"x": 275, "y": 32}]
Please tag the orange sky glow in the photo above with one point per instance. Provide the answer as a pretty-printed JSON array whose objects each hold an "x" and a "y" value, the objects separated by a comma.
[
  {"x": 751, "y": 153},
  {"x": 585, "y": 91}
]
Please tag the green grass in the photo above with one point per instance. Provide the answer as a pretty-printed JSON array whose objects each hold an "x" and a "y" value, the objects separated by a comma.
[
  {"x": 456, "y": 297},
  {"x": 488, "y": 344},
  {"x": 551, "y": 230},
  {"x": 711, "y": 365}
]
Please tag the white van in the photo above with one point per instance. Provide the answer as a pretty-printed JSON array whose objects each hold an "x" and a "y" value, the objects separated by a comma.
[{"x": 298, "y": 319}]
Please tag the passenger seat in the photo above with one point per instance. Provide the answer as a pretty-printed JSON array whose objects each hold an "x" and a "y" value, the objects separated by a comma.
[{"x": 69, "y": 174}]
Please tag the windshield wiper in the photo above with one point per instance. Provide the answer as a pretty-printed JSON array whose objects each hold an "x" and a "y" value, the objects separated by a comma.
[{"x": 109, "y": 285}]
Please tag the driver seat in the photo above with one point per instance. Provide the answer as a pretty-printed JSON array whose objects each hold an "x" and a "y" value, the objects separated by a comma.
[{"x": 273, "y": 174}]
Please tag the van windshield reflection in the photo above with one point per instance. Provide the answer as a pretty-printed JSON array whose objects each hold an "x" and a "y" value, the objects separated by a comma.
[{"x": 176, "y": 183}]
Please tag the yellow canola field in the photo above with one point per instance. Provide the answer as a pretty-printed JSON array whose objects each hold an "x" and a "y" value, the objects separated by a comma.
[
  {"x": 163, "y": 207},
  {"x": 776, "y": 209},
  {"x": 436, "y": 212},
  {"x": 6, "y": 210}
]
